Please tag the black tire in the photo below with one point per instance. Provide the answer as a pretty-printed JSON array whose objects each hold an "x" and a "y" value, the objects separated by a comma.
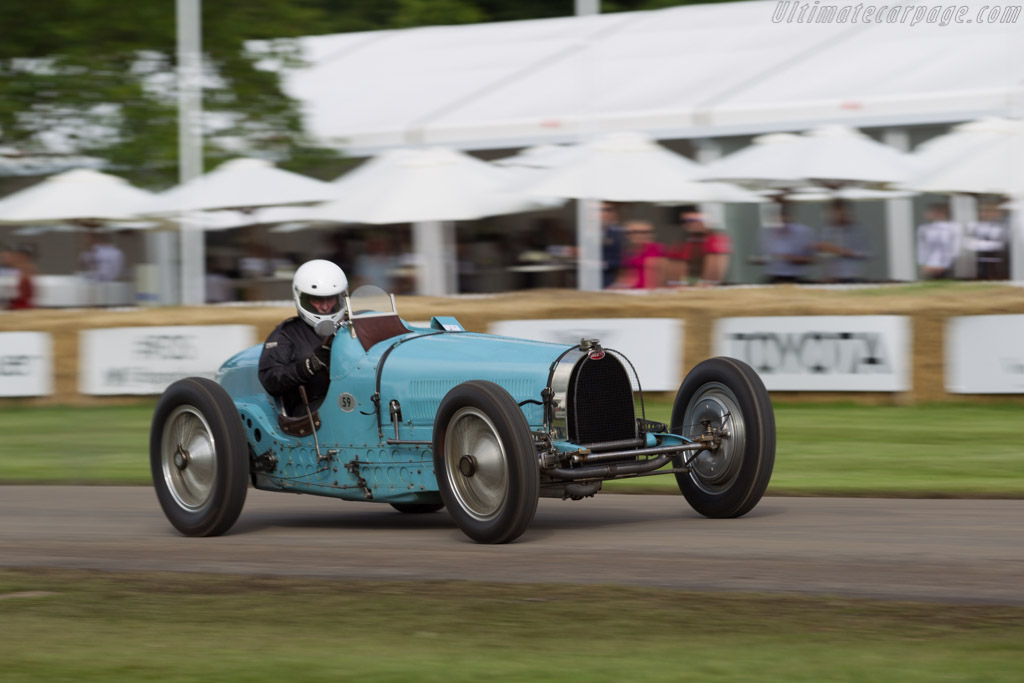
[
  {"x": 417, "y": 508},
  {"x": 729, "y": 481},
  {"x": 199, "y": 457},
  {"x": 486, "y": 463}
]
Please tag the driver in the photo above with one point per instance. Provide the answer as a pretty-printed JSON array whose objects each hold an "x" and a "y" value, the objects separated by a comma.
[{"x": 294, "y": 355}]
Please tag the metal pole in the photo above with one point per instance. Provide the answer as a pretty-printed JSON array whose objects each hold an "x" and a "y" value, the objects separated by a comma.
[
  {"x": 900, "y": 221},
  {"x": 190, "y": 145},
  {"x": 588, "y": 220}
]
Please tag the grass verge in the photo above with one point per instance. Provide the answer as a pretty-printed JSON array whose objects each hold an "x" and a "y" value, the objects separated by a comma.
[
  {"x": 70, "y": 625},
  {"x": 936, "y": 450}
]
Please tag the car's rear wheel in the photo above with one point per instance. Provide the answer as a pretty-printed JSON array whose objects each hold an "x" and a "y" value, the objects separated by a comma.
[
  {"x": 486, "y": 463},
  {"x": 198, "y": 457},
  {"x": 726, "y": 396},
  {"x": 417, "y": 508}
]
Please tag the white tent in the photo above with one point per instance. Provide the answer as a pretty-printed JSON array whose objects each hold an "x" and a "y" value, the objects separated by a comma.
[
  {"x": 431, "y": 184},
  {"x": 979, "y": 157},
  {"x": 428, "y": 187},
  {"x": 631, "y": 167},
  {"x": 830, "y": 155},
  {"x": 79, "y": 194},
  {"x": 684, "y": 72},
  {"x": 241, "y": 183}
]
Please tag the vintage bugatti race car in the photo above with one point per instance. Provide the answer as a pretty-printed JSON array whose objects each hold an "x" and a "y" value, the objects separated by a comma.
[{"x": 428, "y": 417}]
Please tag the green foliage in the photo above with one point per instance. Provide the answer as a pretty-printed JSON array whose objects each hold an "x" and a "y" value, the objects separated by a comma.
[{"x": 100, "y": 75}]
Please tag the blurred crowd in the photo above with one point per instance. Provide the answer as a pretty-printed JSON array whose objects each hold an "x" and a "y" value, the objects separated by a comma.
[{"x": 687, "y": 248}]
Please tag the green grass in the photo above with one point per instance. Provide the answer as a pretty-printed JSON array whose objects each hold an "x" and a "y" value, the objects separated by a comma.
[
  {"x": 823, "y": 449},
  {"x": 73, "y": 445},
  {"x": 96, "y": 627},
  {"x": 935, "y": 450}
]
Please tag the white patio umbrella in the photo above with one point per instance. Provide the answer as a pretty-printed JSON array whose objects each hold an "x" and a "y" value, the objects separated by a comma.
[
  {"x": 414, "y": 185},
  {"x": 832, "y": 156},
  {"x": 979, "y": 157},
  {"x": 846, "y": 194},
  {"x": 625, "y": 167},
  {"x": 228, "y": 219},
  {"x": 239, "y": 184},
  {"x": 428, "y": 187},
  {"x": 78, "y": 194},
  {"x": 236, "y": 184}
]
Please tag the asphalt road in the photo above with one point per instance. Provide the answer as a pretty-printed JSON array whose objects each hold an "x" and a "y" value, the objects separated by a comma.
[{"x": 933, "y": 550}]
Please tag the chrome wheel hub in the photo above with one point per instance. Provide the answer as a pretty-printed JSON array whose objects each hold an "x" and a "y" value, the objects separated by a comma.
[
  {"x": 189, "y": 458},
  {"x": 714, "y": 409},
  {"x": 476, "y": 464}
]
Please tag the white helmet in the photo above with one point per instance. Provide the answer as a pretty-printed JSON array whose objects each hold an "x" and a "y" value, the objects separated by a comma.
[{"x": 315, "y": 281}]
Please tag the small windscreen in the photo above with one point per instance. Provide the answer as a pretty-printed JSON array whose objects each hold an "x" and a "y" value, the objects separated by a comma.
[{"x": 371, "y": 300}]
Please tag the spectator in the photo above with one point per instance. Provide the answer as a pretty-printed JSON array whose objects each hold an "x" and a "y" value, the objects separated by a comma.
[
  {"x": 377, "y": 264},
  {"x": 102, "y": 261},
  {"x": 20, "y": 260},
  {"x": 788, "y": 250},
  {"x": 613, "y": 243},
  {"x": 938, "y": 243},
  {"x": 989, "y": 240},
  {"x": 702, "y": 256},
  {"x": 643, "y": 263},
  {"x": 8, "y": 276},
  {"x": 845, "y": 245}
]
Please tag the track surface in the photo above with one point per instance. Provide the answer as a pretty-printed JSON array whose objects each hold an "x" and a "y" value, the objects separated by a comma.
[{"x": 933, "y": 550}]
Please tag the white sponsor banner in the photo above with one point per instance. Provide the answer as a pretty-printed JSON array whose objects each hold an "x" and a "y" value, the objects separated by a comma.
[
  {"x": 26, "y": 364},
  {"x": 984, "y": 354},
  {"x": 145, "y": 360},
  {"x": 653, "y": 345},
  {"x": 821, "y": 353}
]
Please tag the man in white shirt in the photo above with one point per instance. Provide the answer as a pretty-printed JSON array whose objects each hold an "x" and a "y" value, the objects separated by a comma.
[
  {"x": 938, "y": 244},
  {"x": 988, "y": 239},
  {"x": 102, "y": 261}
]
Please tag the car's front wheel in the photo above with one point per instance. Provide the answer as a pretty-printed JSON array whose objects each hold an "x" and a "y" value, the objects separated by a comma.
[
  {"x": 199, "y": 457},
  {"x": 485, "y": 462},
  {"x": 723, "y": 398}
]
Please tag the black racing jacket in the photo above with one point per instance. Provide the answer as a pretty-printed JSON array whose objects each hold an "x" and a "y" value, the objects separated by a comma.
[{"x": 283, "y": 366}]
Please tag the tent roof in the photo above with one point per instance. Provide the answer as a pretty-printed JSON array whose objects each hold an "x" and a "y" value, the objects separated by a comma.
[{"x": 694, "y": 71}]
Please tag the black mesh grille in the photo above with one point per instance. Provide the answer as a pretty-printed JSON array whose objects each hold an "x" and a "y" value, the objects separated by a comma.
[{"x": 600, "y": 399}]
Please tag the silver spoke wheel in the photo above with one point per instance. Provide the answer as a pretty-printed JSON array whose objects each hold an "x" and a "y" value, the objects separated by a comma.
[
  {"x": 476, "y": 464},
  {"x": 189, "y": 458},
  {"x": 715, "y": 407}
]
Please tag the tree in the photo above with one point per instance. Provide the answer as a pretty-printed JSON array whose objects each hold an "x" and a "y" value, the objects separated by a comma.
[{"x": 97, "y": 76}]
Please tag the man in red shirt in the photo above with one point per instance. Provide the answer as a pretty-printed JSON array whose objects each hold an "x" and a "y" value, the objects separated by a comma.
[
  {"x": 703, "y": 256},
  {"x": 19, "y": 259}
]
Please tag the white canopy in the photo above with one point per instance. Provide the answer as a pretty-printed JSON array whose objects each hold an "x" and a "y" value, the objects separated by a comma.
[
  {"x": 413, "y": 185},
  {"x": 681, "y": 72},
  {"x": 241, "y": 183},
  {"x": 79, "y": 194},
  {"x": 979, "y": 157},
  {"x": 630, "y": 167},
  {"x": 831, "y": 155}
]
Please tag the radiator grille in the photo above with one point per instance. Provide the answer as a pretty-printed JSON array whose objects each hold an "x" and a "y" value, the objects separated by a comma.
[{"x": 600, "y": 400}]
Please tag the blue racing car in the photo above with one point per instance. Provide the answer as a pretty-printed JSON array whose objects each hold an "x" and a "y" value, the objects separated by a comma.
[{"x": 431, "y": 417}]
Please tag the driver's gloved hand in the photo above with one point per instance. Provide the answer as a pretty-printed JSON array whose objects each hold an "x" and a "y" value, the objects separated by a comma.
[{"x": 320, "y": 359}]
